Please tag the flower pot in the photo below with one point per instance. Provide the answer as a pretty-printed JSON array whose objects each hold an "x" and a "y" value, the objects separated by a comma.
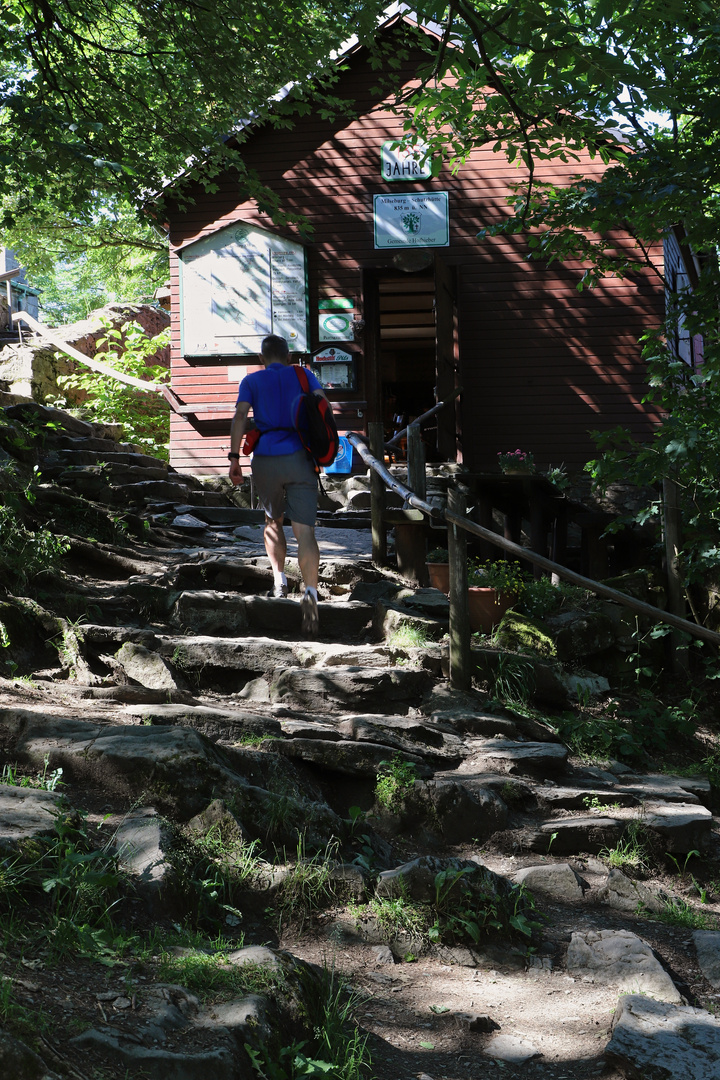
[
  {"x": 487, "y": 607},
  {"x": 517, "y": 470},
  {"x": 439, "y": 574}
]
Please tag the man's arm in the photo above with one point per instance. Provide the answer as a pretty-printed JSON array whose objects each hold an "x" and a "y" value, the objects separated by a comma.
[{"x": 237, "y": 430}]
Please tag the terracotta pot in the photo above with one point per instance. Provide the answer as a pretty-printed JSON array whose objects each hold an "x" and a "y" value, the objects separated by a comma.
[
  {"x": 439, "y": 574},
  {"x": 487, "y": 607}
]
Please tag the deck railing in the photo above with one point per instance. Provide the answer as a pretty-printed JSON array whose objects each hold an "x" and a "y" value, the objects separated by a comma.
[{"x": 459, "y": 526}]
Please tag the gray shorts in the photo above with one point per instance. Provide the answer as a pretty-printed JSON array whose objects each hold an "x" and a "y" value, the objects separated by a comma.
[{"x": 286, "y": 484}]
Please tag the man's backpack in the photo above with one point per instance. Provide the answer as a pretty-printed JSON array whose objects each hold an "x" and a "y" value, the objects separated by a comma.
[{"x": 315, "y": 423}]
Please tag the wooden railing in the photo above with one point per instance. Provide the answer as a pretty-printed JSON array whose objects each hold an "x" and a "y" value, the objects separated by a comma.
[
  {"x": 459, "y": 525},
  {"x": 47, "y": 334}
]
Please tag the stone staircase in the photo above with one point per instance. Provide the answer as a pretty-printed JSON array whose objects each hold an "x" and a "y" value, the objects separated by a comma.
[
  {"x": 195, "y": 685},
  {"x": 199, "y": 619}
]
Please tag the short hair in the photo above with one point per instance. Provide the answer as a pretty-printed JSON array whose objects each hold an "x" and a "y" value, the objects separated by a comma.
[{"x": 274, "y": 348}]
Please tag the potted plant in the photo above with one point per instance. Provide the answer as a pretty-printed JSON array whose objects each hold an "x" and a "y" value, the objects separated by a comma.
[
  {"x": 439, "y": 570},
  {"x": 516, "y": 462},
  {"x": 493, "y": 588},
  {"x": 558, "y": 477}
]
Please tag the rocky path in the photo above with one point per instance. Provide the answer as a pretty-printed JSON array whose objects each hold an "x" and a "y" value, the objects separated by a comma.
[{"x": 181, "y": 704}]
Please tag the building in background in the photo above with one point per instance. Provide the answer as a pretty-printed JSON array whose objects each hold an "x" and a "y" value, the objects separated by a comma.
[
  {"x": 393, "y": 300},
  {"x": 20, "y": 294}
]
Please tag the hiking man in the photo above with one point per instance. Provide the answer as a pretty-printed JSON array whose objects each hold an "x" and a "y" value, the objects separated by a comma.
[{"x": 283, "y": 472}]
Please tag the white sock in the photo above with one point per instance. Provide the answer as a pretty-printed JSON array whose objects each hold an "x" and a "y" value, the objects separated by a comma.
[
  {"x": 280, "y": 578},
  {"x": 313, "y": 592}
]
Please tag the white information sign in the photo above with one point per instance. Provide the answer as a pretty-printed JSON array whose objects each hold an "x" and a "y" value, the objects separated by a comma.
[
  {"x": 414, "y": 220},
  {"x": 238, "y": 286},
  {"x": 289, "y": 303},
  {"x": 405, "y": 162}
]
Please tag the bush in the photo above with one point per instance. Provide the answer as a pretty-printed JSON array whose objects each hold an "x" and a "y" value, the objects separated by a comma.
[
  {"x": 395, "y": 782},
  {"x": 145, "y": 417},
  {"x": 24, "y": 553}
]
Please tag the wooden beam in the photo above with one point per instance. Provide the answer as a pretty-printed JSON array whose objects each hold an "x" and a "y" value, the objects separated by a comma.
[
  {"x": 416, "y": 461},
  {"x": 460, "y": 652},
  {"x": 638, "y": 606},
  {"x": 377, "y": 495}
]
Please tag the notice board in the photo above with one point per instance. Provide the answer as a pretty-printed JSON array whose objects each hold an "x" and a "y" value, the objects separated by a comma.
[{"x": 239, "y": 285}]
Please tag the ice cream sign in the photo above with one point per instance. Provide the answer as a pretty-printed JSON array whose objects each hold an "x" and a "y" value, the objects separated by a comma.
[{"x": 415, "y": 220}]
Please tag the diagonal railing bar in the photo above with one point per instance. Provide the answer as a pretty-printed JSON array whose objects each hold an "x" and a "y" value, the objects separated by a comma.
[
  {"x": 404, "y": 492},
  {"x": 638, "y": 606},
  {"x": 94, "y": 365},
  {"x": 390, "y": 444}
]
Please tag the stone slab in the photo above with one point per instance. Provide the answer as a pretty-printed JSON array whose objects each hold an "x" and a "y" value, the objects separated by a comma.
[
  {"x": 26, "y": 813},
  {"x": 622, "y": 960},
  {"x": 344, "y": 757},
  {"x": 659, "y": 1041},
  {"x": 624, "y": 894},
  {"x": 511, "y": 757},
  {"x": 683, "y": 827},
  {"x": 322, "y": 689},
  {"x": 567, "y": 836},
  {"x": 511, "y": 1048},
  {"x": 707, "y": 947},
  {"x": 558, "y": 880}
]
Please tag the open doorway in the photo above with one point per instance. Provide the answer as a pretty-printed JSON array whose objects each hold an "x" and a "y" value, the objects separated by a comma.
[{"x": 407, "y": 351}]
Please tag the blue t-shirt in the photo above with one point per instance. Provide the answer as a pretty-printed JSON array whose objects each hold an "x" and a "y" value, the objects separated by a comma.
[{"x": 273, "y": 394}]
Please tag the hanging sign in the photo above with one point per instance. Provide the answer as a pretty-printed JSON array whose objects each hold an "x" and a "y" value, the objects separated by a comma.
[
  {"x": 336, "y": 303},
  {"x": 405, "y": 162},
  {"x": 334, "y": 369},
  {"x": 335, "y": 326},
  {"x": 413, "y": 220}
]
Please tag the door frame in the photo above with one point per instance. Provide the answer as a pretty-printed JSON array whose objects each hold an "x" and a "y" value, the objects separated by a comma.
[{"x": 446, "y": 351}]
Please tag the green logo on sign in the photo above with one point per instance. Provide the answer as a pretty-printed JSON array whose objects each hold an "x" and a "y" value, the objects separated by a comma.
[{"x": 411, "y": 222}]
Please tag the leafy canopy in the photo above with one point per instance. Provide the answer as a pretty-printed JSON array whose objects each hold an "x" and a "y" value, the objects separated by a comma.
[{"x": 118, "y": 96}]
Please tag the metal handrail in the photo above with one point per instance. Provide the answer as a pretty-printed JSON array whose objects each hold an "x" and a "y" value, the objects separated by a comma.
[
  {"x": 386, "y": 476},
  {"x": 390, "y": 444},
  {"x": 639, "y": 606}
]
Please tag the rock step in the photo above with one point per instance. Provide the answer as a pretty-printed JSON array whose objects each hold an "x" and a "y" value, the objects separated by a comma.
[
  {"x": 680, "y": 828},
  {"x": 269, "y": 653},
  {"x": 86, "y": 442},
  {"x": 221, "y": 614},
  {"x": 214, "y": 614},
  {"x": 114, "y": 472},
  {"x": 312, "y": 675},
  {"x": 95, "y": 457}
]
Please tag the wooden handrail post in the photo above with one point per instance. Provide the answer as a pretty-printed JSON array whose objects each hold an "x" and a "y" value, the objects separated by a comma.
[
  {"x": 376, "y": 439},
  {"x": 672, "y": 528},
  {"x": 416, "y": 460},
  {"x": 460, "y": 673}
]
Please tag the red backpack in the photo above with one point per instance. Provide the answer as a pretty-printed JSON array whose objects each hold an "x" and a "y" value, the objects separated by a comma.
[{"x": 315, "y": 423}]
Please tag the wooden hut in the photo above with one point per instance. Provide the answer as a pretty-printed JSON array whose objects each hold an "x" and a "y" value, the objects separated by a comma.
[{"x": 394, "y": 300}]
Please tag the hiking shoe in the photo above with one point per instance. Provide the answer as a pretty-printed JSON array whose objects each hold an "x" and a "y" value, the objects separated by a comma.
[
  {"x": 278, "y": 591},
  {"x": 310, "y": 622}
]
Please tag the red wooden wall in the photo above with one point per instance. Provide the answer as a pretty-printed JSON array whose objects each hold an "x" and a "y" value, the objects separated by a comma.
[{"x": 541, "y": 363}]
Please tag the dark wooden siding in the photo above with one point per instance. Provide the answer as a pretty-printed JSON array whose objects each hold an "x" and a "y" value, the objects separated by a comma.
[{"x": 541, "y": 363}]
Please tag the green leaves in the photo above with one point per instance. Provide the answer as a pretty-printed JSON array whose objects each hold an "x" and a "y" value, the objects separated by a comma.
[{"x": 111, "y": 98}]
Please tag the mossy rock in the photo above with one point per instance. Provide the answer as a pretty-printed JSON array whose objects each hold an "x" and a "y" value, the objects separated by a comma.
[{"x": 523, "y": 634}]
